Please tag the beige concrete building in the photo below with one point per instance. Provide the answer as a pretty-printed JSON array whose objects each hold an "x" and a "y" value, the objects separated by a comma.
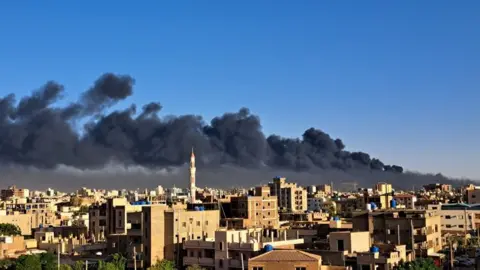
[
  {"x": 384, "y": 191},
  {"x": 227, "y": 249},
  {"x": 29, "y": 220},
  {"x": 260, "y": 211},
  {"x": 291, "y": 198},
  {"x": 325, "y": 189},
  {"x": 350, "y": 242},
  {"x": 405, "y": 200},
  {"x": 458, "y": 218},
  {"x": 388, "y": 257},
  {"x": 153, "y": 232},
  {"x": 10, "y": 245},
  {"x": 473, "y": 195},
  {"x": 401, "y": 226},
  {"x": 13, "y": 192}
]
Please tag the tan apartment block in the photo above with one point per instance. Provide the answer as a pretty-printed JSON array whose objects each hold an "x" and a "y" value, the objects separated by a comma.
[
  {"x": 229, "y": 247},
  {"x": 473, "y": 195},
  {"x": 157, "y": 231},
  {"x": 400, "y": 226},
  {"x": 257, "y": 211},
  {"x": 326, "y": 189},
  {"x": 290, "y": 197},
  {"x": 458, "y": 218}
]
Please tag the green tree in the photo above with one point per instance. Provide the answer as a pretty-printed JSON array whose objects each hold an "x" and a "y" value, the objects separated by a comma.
[
  {"x": 7, "y": 265},
  {"x": 28, "y": 262},
  {"x": 48, "y": 261},
  {"x": 9, "y": 229},
  {"x": 419, "y": 264},
  {"x": 163, "y": 265},
  {"x": 78, "y": 265},
  {"x": 66, "y": 267},
  {"x": 75, "y": 201},
  {"x": 118, "y": 263}
]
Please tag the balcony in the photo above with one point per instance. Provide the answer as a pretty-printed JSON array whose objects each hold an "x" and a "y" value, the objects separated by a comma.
[
  {"x": 134, "y": 232},
  {"x": 242, "y": 246},
  {"x": 199, "y": 261},
  {"x": 206, "y": 262},
  {"x": 199, "y": 244},
  {"x": 420, "y": 238},
  {"x": 190, "y": 260}
]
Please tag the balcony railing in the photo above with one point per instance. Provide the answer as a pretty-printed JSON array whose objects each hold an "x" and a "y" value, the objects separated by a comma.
[
  {"x": 199, "y": 244},
  {"x": 199, "y": 261}
]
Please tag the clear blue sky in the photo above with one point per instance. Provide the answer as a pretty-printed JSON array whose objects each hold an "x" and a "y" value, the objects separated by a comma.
[{"x": 397, "y": 79}]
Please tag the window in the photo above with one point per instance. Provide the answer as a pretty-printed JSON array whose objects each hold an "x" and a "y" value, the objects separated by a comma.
[
  {"x": 184, "y": 224},
  {"x": 340, "y": 245},
  {"x": 198, "y": 223},
  {"x": 460, "y": 226},
  {"x": 206, "y": 222},
  {"x": 220, "y": 245},
  {"x": 436, "y": 228},
  {"x": 257, "y": 268},
  {"x": 300, "y": 268}
]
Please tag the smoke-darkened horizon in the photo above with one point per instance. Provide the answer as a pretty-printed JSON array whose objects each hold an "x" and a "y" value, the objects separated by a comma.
[{"x": 36, "y": 132}]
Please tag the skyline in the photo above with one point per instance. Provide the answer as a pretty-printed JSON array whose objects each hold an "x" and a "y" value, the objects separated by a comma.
[{"x": 211, "y": 54}]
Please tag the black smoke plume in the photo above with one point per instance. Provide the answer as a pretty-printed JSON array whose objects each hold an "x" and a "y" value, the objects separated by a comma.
[{"x": 36, "y": 133}]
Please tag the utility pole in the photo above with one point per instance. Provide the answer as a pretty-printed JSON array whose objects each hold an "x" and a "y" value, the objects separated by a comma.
[
  {"x": 412, "y": 239},
  {"x": 58, "y": 256},
  {"x": 134, "y": 258},
  {"x": 451, "y": 252},
  {"x": 398, "y": 234},
  {"x": 241, "y": 259}
]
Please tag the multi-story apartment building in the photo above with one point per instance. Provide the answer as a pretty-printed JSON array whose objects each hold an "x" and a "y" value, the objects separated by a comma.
[
  {"x": 229, "y": 247},
  {"x": 260, "y": 211},
  {"x": 458, "y": 218},
  {"x": 405, "y": 200},
  {"x": 438, "y": 188},
  {"x": 290, "y": 197},
  {"x": 473, "y": 194},
  {"x": 14, "y": 192},
  {"x": 29, "y": 216},
  {"x": 153, "y": 232},
  {"x": 325, "y": 189},
  {"x": 401, "y": 226}
]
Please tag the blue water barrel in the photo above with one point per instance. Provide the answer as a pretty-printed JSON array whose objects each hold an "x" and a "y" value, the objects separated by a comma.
[
  {"x": 268, "y": 248},
  {"x": 393, "y": 203},
  {"x": 374, "y": 249}
]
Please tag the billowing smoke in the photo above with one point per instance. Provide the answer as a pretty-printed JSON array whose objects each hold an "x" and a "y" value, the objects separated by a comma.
[{"x": 36, "y": 133}]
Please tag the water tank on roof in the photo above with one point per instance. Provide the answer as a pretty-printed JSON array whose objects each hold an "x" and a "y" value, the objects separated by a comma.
[
  {"x": 196, "y": 208},
  {"x": 393, "y": 203},
  {"x": 373, "y": 205},
  {"x": 336, "y": 218},
  {"x": 268, "y": 248},
  {"x": 374, "y": 249},
  {"x": 202, "y": 208}
]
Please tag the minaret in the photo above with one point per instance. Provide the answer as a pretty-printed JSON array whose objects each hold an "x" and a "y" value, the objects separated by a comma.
[{"x": 192, "y": 177}]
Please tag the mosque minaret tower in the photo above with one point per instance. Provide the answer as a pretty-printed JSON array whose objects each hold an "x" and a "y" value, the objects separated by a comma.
[{"x": 192, "y": 178}]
